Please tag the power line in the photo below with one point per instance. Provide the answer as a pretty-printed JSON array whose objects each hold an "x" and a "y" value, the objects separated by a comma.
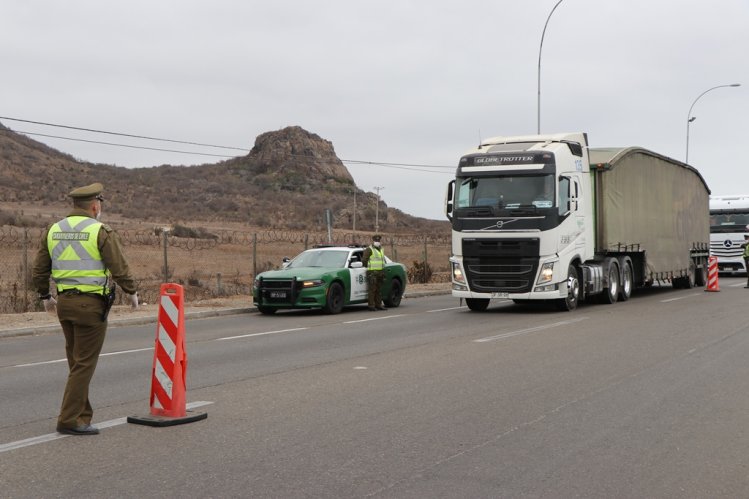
[
  {"x": 122, "y": 134},
  {"x": 124, "y": 145}
]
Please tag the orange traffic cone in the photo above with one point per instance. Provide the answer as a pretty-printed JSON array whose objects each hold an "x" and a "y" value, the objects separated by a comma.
[
  {"x": 712, "y": 274},
  {"x": 168, "y": 404}
]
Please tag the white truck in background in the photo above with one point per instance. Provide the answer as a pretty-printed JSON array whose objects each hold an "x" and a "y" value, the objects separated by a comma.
[
  {"x": 616, "y": 219},
  {"x": 729, "y": 222}
]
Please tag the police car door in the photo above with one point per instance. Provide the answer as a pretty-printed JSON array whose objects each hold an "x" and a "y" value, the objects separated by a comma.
[{"x": 358, "y": 275}]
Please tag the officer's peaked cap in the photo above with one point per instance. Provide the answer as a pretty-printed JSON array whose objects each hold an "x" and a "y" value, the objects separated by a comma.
[
  {"x": 376, "y": 237},
  {"x": 87, "y": 192}
]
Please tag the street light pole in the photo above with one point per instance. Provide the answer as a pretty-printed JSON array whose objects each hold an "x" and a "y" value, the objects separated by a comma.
[
  {"x": 691, "y": 118},
  {"x": 540, "y": 48},
  {"x": 377, "y": 209}
]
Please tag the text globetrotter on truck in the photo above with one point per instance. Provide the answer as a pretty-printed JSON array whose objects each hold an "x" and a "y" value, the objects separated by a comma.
[{"x": 544, "y": 217}]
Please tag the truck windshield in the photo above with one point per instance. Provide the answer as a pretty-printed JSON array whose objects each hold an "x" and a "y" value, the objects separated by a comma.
[
  {"x": 729, "y": 221},
  {"x": 506, "y": 192}
]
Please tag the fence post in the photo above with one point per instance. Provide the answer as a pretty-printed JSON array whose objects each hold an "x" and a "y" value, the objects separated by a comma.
[
  {"x": 166, "y": 262},
  {"x": 219, "y": 287},
  {"x": 254, "y": 255},
  {"x": 25, "y": 269},
  {"x": 306, "y": 242}
]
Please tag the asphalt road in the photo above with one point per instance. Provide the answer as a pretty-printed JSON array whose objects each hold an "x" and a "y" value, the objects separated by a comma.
[{"x": 648, "y": 398}]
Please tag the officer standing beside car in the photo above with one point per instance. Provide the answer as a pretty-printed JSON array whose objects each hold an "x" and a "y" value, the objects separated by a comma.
[
  {"x": 745, "y": 255},
  {"x": 83, "y": 257},
  {"x": 374, "y": 260}
]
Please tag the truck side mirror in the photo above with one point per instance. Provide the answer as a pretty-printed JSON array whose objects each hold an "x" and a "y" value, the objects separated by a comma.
[{"x": 449, "y": 199}]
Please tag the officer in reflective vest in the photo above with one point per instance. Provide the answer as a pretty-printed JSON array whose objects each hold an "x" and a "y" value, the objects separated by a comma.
[
  {"x": 374, "y": 260},
  {"x": 83, "y": 257}
]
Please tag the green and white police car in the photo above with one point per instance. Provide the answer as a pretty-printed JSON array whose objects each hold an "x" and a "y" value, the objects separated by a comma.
[{"x": 329, "y": 278}]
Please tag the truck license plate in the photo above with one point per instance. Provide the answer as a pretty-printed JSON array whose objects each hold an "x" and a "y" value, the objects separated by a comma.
[
  {"x": 500, "y": 295},
  {"x": 278, "y": 294}
]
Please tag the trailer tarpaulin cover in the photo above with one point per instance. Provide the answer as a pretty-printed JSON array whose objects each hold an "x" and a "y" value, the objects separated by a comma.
[{"x": 651, "y": 201}]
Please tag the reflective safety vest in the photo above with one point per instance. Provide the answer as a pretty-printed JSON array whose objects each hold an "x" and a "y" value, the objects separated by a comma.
[
  {"x": 376, "y": 259},
  {"x": 76, "y": 260},
  {"x": 746, "y": 250}
]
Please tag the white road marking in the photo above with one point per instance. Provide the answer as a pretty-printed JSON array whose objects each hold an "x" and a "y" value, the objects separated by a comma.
[
  {"x": 680, "y": 298},
  {"x": 19, "y": 444},
  {"x": 445, "y": 309},
  {"x": 739, "y": 285},
  {"x": 375, "y": 319},
  {"x": 250, "y": 335},
  {"x": 529, "y": 330},
  {"x": 109, "y": 354}
]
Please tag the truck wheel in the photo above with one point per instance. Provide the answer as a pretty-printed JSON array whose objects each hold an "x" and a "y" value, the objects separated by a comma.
[
  {"x": 334, "y": 300},
  {"x": 477, "y": 304},
  {"x": 611, "y": 293},
  {"x": 266, "y": 310},
  {"x": 573, "y": 291},
  {"x": 628, "y": 279},
  {"x": 393, "y": 299}
]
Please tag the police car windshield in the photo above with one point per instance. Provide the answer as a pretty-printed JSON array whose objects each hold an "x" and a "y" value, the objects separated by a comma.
[{"x": 320, "y": 258}]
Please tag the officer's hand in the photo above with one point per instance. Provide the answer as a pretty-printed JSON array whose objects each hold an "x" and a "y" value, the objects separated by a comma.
[
  {"x": 133, "y": 298},
  {"x": 50, "y": 305}
]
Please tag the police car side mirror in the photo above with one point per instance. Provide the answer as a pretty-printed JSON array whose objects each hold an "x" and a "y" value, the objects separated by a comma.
[{"x": 356, "y": 265}]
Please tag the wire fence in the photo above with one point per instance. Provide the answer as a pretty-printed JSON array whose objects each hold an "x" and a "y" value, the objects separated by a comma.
[{"x": 222, "y": 263}]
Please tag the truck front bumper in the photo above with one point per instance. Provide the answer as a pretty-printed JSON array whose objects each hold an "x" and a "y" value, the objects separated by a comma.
[{"x": 559, "y": 292}]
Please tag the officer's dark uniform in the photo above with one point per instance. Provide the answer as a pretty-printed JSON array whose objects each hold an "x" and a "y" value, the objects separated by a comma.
[
  {"x": 375, "y": 276},
  {"x": 746, "y": 258},
  {"x": 81, "y": 315}
]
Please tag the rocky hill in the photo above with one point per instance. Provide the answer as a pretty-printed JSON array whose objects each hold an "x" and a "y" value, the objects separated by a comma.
[{"x": 286, "y": 181}]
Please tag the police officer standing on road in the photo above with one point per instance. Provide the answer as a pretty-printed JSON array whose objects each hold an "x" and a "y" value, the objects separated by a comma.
[
  {"x": 82, "y": 256},
  {"x": 374, "y": 260},
  {"x": 746, "y": 256}
]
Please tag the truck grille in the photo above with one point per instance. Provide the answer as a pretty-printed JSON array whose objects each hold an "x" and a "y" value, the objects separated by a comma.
[
  {"x": 501, "y": 265},
  {"x": 727, "y": 248}
]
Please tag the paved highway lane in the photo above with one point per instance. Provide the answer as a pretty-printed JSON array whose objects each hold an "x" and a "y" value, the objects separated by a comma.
[{"x": 647, "y": 398}]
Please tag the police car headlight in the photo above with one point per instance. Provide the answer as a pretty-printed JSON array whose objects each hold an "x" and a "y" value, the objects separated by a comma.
[
  {"x": 312, "y": 283},
  {"x": 547, "y": 272}
]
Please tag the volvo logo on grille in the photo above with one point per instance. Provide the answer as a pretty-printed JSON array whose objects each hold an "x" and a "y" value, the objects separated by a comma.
[
  {"x": 500, "y": 224},
  {"x": 727, "y": 243}
]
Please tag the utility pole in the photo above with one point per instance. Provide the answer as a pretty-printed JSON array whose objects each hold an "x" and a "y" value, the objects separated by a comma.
[
  {"x": 377, "y": 209},
  {"x": 354, "y": 229}
]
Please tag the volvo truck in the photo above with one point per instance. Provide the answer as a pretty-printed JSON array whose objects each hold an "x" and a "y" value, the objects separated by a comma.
[
  {"x": 729, "y": 223},
  {"x": 545, "y": 217}
]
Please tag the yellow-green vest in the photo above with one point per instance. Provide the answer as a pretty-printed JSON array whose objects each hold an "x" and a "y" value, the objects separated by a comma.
[
  {"x": 376, "y": 259},
  {"x": 76, "y": 260},
  {"x": 746, "y": 250}
]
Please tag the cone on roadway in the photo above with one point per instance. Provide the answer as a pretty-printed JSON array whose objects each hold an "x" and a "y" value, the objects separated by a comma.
[
  {"x": 712, "y": 274},
  {"x": 168, "y": 398}
]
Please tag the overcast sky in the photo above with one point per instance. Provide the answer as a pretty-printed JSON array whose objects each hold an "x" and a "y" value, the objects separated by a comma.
[{"x": 394, "y": 81}]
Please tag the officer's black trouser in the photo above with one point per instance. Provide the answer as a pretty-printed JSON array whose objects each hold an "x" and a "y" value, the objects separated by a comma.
[
  {"x": 374, "y": 287},
  {"x": 81, "y": 320}
]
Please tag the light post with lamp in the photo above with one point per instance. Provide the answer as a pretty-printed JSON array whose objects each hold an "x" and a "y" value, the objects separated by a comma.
[
  {"x": 538, "y": 103},
  {"x": 691, "y": 118}
]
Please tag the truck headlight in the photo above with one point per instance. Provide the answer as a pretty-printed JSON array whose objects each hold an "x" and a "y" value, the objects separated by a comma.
[
  {"x": 547, "y": 272},
  {"x": 458, "y": 273}
]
